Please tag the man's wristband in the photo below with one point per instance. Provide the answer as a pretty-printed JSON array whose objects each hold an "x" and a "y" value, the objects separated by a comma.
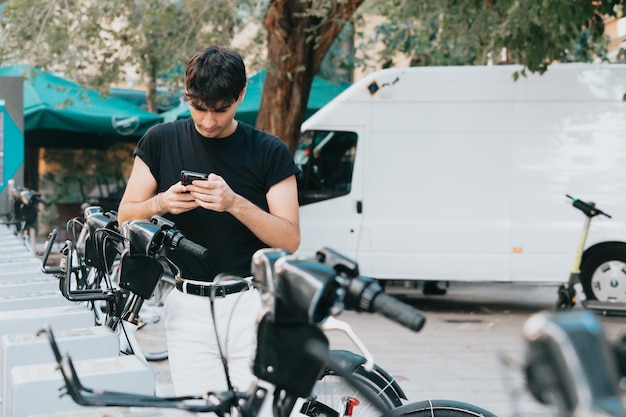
[{"x": 159, "y": 203}]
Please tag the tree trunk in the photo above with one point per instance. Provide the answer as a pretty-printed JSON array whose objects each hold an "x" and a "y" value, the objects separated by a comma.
[
  {"x": 297, "y": 43},
  {"x": 151, "y": 91}
]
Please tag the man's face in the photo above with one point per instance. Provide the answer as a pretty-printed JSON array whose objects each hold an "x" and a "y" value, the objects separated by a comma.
[
  {"x": 213, "y": 123},
  {"x": 217, "y": 122}
]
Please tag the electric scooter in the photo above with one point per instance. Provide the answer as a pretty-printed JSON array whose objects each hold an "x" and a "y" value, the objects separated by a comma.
[{"x": 567, "y": 292}]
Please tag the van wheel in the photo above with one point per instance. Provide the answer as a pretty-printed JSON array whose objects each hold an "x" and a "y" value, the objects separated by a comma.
[{"x": 603, "y": 275}]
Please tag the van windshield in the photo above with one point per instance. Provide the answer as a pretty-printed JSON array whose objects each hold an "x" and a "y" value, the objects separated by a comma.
[{"x": 326, "y": 162}]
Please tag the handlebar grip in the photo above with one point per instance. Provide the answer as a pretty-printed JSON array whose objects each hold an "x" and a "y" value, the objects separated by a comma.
[
  {"x": 192, "y": 248},
  {"x": 396, "y": 310}
]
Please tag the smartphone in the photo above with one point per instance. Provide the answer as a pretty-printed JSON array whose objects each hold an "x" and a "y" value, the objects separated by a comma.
[{"x": 186, "y": 177}]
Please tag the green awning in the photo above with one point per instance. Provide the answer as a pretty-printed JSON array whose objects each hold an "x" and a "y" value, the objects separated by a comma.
[{"x": 60, "y": 113}]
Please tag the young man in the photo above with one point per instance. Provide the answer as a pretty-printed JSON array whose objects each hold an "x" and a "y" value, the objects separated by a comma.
[{"x": 248, "y": 202}]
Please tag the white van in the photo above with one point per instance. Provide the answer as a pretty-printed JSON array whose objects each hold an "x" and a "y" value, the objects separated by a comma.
[{"x": 461, "y": 174}]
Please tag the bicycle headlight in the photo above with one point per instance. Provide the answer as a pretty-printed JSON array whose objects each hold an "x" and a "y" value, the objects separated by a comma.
[
  {"x": 144, "y": 237},
  {"x": 306, "y": 290}
]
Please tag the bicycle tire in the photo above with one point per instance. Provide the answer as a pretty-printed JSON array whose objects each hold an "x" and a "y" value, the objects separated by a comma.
[
  {"x": 441, "y": 408},
  {"x": 151, "y": 315},
  {"x": 156, "y": 356},
  {"x": 331, "y": 389}
]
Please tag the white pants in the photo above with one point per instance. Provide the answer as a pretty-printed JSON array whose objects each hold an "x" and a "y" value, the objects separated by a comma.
[{"x": 194, "y": 355}]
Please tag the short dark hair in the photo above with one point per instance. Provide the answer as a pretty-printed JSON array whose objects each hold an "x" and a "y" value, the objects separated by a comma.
[{"x": 215, "y": 76}]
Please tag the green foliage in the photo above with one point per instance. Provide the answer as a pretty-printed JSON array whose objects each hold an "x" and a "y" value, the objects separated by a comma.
[
  {"x": 73, "y": 174},
  {"x": 96, "y": 42},
  {"x": 339, "y": 62},
  {"x": 477, "y": 32}
]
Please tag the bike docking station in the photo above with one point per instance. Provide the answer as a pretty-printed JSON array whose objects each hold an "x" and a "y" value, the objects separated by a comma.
[
  {"x": 31, "y": 283},
  {"x": 18, "y": 268},
  {"x": 30, "y": 300},
  {"x": 125, "y": 373},
  {"x": 120, "y": 412},
  {"x": 21, "y": 350},
  {"x": 20, "y": 260}
]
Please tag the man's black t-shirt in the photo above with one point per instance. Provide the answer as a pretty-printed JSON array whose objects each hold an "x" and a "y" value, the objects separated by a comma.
[{"x": 249, "y": 160}]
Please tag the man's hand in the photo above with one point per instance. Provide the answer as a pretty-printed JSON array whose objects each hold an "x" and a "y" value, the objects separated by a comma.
[
  {"x": 213, "y": 194},
  {"x": 177, "y": 199}
]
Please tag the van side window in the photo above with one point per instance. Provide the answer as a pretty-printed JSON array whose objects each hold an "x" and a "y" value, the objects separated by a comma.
[{"x": 326, "y": 161}]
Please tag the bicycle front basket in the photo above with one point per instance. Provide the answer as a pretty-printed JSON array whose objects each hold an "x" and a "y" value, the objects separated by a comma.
[
  {"x": 140, "y": 274},
  {"x": 283, "y": 356}
]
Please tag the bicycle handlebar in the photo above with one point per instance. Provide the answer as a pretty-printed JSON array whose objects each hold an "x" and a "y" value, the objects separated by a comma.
[
  {"x": 149, "y": 238},
  {"x": 364, "y": 294},
  {"x": 401, "y": 313},
  {"x": 175, "y": 240},
  {"x": 327, "y": 284},
  {"x": 143, "y": 240}
]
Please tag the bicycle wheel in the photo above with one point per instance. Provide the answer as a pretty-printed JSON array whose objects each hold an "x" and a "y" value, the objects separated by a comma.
[
  {"x": 332, "y": 390},
  {"x": 441, "y": 408},
  {"x": 150, "y": 335}
]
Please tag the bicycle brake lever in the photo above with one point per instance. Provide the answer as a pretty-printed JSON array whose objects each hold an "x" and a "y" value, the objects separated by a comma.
[{"x": 331, "y": 323}]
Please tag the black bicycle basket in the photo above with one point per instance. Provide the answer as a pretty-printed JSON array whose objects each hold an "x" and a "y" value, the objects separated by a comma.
[
  {"x": 140, "y": 274},
  {"x": 286, "y": 355}
]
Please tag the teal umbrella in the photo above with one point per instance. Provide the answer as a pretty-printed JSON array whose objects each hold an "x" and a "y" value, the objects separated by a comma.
[
  {"x": 164, "y": 101},
  {"x": 322, "y": 92},
  {"x": 60, "y": 113}
]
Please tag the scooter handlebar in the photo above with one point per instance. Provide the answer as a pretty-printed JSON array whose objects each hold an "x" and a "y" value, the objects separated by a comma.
[{"x": 587, "y": 207}]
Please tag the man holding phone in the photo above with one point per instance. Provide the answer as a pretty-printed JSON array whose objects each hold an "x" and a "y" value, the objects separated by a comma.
[{"x": 248, "y": 201}]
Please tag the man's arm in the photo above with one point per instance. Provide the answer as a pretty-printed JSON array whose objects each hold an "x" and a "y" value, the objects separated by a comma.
[
  {"x": 280, "y": 228},
  {"x": 141, "y": 202}
]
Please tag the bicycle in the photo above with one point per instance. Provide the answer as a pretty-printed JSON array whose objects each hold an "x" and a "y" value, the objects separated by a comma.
[
  {"x": 571, "y": 365},
  {"x": 99, "y": 225},
  {"x": 23, "y": 204},
  {"x": 93, "y": 277},
  {"x": 103, "y": 264},
  {"x": 300, "y": 296}
]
